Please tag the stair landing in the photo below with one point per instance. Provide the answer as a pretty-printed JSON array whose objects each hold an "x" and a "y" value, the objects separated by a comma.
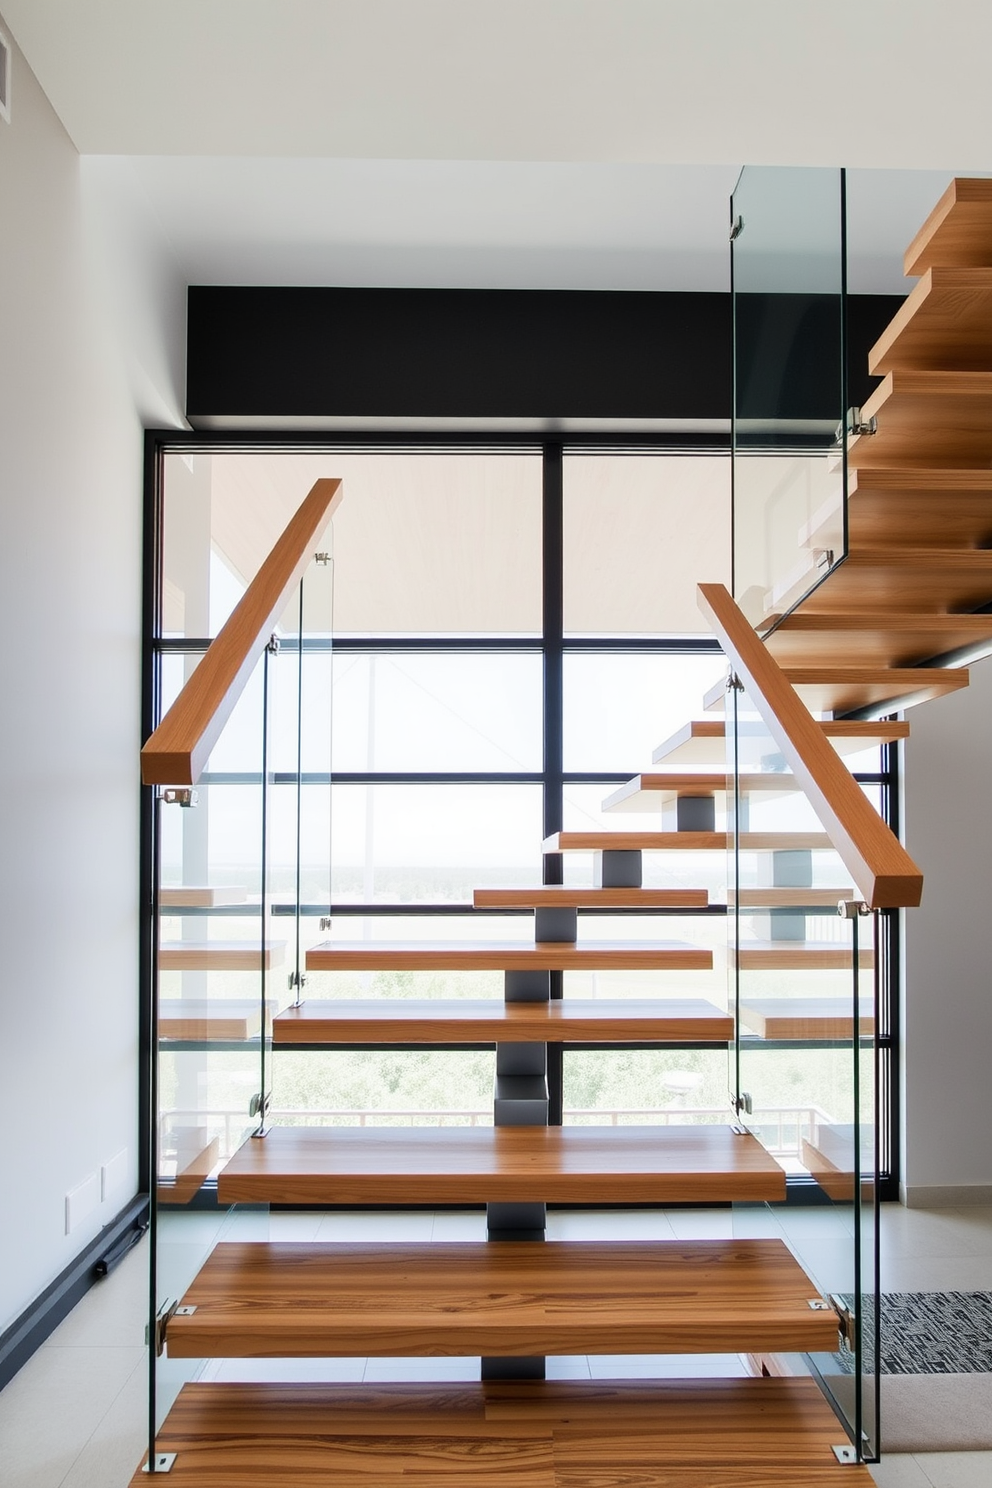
[{"x": 740, "y": 1433}]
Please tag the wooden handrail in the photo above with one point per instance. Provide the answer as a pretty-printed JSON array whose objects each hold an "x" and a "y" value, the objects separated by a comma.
[
  {"x": 884, "y": 872},
  {"x": 178, "y": 749}
]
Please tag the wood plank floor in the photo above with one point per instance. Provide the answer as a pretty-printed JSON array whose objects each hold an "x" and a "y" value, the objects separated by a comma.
[
  {"x": 509, "y": 955},
  {"x": 314, "y": 1300},
  {"x": 740, "y": 1433},
  {"x": 453, "y": 1165},
  {"x": 569, "y": 1020}
]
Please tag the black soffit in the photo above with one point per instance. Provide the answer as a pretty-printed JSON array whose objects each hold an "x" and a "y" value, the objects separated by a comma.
[{"x": 289, "y": 356}]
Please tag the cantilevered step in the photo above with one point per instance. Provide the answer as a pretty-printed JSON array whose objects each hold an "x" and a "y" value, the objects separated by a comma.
[
  {"x": 919, "y": 507},
  {"x": 703, "y": 1433},
  {"x": 200, "y": 896},
  {"x": 559, "y": 896},
  {"x": 189, "y": 1155},
  {"x": 802, "y": 1018},
  {"x": 958, "y": 232},
  {"x": 509, "y": 955},
  {"x": 653, "y": 792},
  {"x": 830, "y": 1155},
  {"x": 570, "y": 1020},
  {"x": 909, "y": 580},
  {"x": 681, "y": 841},
  {"x": 702, "y": 744},
  {"x": 938, "y": 419},
  {"x": 526, "y": 1164},
  {"x": 796, "y": 955},
  {"x": 875, "y": 638},
  {"x": 209, "y": 1019},
  {"x": 783, "y": 898},
  {"x": 839, "y": 689},
  {"x": 945, "y": 324},
  {"x": 220, "y": 955},
  {"x": 313, "y": 1300}
]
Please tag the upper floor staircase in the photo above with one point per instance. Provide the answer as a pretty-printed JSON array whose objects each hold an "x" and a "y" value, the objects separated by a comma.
[{"x": 883, "y": 631}]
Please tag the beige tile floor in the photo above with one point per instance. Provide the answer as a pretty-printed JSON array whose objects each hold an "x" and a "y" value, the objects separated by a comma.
[{"x": 74, "y": 1417}]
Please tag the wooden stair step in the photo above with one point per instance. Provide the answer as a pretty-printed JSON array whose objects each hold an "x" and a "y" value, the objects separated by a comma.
[
  {"x": 894, "y": 640},
  {"x": 219, "y": 955},
  {"x": 779, "y": 898},
  {"x": 509, "y": 955},
  {"x": 200, "y": 896},
  {"x": 928, "y": 418},
  {"x": 471, "y": 1165},
  {"x": 206, "y": 1019},
  {"x": 909, "y": 507},
  {"x": 803, "y": 1018},
  {"x": 944, "y": 324},
  {"x": 568, "y": 1020},
  {"x": 681, "y": 841},
  {"x": 703, "y": 1433},
  {"x": 958, "y": 231},
  {"x": 830, "y": 1158},
  {"x": 196, "y": 1155},
  {"x": 702, "y": 743},
  {"x": 796, "y": 955},
  {"x": 838, "y": 689},
  {"x": 313, "y": 1300},
  {"x": 653, "y": 792},
  {"x": 907, "y": 580},
  {"x": 559, "y": 896}
]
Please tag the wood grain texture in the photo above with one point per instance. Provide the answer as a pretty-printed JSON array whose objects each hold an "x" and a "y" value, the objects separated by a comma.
[
  {"x": 830, "y": 1160},
  {"x": 178, "y": 749},
  {"x": 957, "y": 232},
  {"x": 922, "y": 508},
  {"x": 219, "y": 955},
  {"x": 467, "y": 955},
  {"x": 880, "y": 866},
  {"x": 945, "y": 324},
  {"x": 200, "y": 896},
  {"x": 841, "y": 689},
  {"x": 653, "y": 792},
  {"x": 702, "y": 743},
  {"x": 681, "y": 841},
  {"x": 208, "y": 1019},
  {"x": 881, "y": 581},
  {"x": 312, "y": 1300},
  {"x": 897, "y": 640},
  {"x": 940, "y": 419},
  {"x": 442, "y": 1165},
  {"x": 562, "y": 897},
  {"x": 195, "y": 1156},
  {"x": 569, "y": 1020},
  {"x": 806, "y": 1017},
  {"x": 796, "y": 955},
  {"x": 702, "y": 1433},
  {"x": 778, "y": 898}
]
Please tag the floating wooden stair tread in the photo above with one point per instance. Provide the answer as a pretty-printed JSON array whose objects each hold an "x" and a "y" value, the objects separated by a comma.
[
  {"x": 509, "y": 955},
  {"x": 556, "y": 1164},
  {"x": 920, "y": 508},
  {"x": 196, "y": 1155},
  {"x": 558, "y": 896},
  {"x": 958, "y": 231},
  {"x": 200, "y": 896},
  {"x": 906, "y": 580},
  {"x": 796, "y": 955},
  {"x": 778, "y": 898},
  {"x": 652, "y": 792},
  {"x": 831, "y": 1157},
  {"x": 680, "y": 841},
  {"x": 312, "y": 1300},
  {"x": 702, "y": 1433},
  {"x": 928, "y": 418},
  {"x": 806, "y": 1017},
  {"x": 894, "y": 640},
  {"x": 564, "y": 1020},
  {"x": 219, "y": 955},
  {"x": 839, "y": 689},
  {"x": 945, "y": 323},
  {"x": 204, "y": 1019},
  {"x": 703, "y": 745}
]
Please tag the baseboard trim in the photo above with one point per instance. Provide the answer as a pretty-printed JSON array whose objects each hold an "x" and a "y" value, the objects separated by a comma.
[
  {"x": 944, "y": 1195},
  {"x": 28, "y": 1332}
]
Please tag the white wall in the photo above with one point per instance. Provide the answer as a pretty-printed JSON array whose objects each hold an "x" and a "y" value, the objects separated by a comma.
[
  {"x": 947, "y": 1024},
  {"x": 70, "y": 544}
]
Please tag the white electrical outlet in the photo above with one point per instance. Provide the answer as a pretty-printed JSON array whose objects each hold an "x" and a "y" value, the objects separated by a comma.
[
  {"x": 81, "y": 1202},
  {"x": 113, "y": 1174}
]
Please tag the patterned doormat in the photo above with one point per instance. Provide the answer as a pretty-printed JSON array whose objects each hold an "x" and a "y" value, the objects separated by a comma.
[{"x": 936, "y": 1333}]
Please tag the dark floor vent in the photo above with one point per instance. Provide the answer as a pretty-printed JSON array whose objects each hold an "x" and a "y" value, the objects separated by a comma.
[{"x": 4, "y": 78}]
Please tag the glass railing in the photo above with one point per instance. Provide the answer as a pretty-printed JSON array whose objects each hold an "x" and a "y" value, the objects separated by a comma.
[
  {"x": 803, "y": 954},
  {"x": 237, "y": 855},
  {"x": 790, "y": 386}
]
